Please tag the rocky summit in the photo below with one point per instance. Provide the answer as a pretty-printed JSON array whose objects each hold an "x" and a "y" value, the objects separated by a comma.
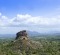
[{"x": 22, "y": 35}]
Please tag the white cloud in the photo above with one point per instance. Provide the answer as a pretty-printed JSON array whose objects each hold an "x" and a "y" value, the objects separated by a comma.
[
  {"x": 27, "y": 20},
  {"x": 31, "y": 20},
  {"x": 4, "y": 21}
]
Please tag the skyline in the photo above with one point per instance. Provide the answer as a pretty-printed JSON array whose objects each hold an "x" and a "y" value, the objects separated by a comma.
[{"x": 35, "y": 15}]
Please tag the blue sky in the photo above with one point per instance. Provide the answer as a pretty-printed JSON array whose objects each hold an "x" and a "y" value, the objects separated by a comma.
[
  {"x": 33, "y": 7},
  {"x": 35, "y": 15}
]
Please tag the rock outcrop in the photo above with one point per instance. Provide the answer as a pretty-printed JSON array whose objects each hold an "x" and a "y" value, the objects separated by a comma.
[{"x": 22, "y": 35}]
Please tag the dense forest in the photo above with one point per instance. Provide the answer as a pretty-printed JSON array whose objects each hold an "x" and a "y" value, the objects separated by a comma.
[{"x": 50, "y": 46}]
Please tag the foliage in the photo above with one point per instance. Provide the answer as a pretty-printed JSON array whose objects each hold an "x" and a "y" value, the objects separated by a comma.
[{"x": 50, "y": 46}]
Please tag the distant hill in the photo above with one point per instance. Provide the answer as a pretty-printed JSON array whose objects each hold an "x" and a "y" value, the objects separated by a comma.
[{"x": 33, "y": 33}]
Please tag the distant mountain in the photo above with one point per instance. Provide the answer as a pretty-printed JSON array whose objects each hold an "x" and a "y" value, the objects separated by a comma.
[
  {"x": 48, "y": 34},
  {"x": 33, "y": 33}
]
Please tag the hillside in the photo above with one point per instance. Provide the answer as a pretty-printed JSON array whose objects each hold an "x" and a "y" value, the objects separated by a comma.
[{"x": 23, "y": 45}]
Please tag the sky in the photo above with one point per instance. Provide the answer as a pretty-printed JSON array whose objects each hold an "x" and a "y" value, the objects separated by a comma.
[{"x": 35, "y": 15}]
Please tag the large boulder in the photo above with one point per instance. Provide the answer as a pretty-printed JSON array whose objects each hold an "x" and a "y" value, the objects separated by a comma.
[{"x": 21, "y": 34}]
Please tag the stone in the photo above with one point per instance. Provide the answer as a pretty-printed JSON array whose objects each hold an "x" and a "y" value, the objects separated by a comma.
[{"x": 22, "y": 35}]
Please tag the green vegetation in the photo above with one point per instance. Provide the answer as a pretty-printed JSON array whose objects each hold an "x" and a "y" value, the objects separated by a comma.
[{"x": 50, "y": 46}]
